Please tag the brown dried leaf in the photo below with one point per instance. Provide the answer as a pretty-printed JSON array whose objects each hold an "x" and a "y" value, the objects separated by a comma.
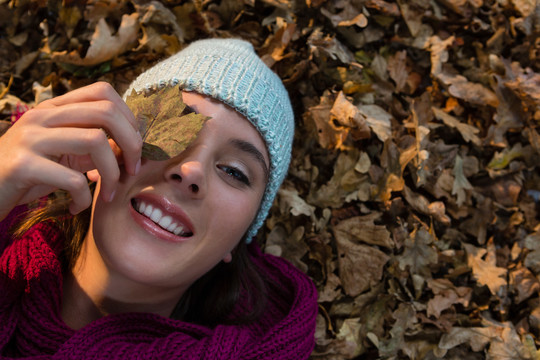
[
  {"x": 155, "y": 13},
  {"x": 446, "y": 295},
  {"x": 419, "y": 253},
  {"x": 349, "y": 116},
  {"x": 360, "y": 266},
  {"x": 467, "y": 131},
  {"x": 476, "y": 337},
  {"x": 291, "y": 201},
  {"x": 378, "y": 120},
  {"x": 70, "y": 16},
  {"x": 523, "y": 281},
  {"x": 461, "y": 184},
  {"x": 348, "y": 16},
  {"x": 527, "y": 87},
  {"x": 331, "y": 290},
  {"x": 329, "y": 137},
  {"x": 166, "y": 128},
  {"x": 525, "y": 7},
  {"x": 274, "y": 47},
  {"x": 346, "y": 184},
  {"x": 474, "y": 93},
  {"x": 290, "y": 246},
  {"x": 420, "y": 203},
  {"x": 485, "y": 271},
  {"x": 405, "y": 317},
  {"x": 104, "y": 46},
  {"x": 330, "y": 46},
  {"x": 508, "y": 345},
  {"x": 397, "y": 69},
  {"x": 349, "y": 338},
  {"x": 363, "y": 229}
]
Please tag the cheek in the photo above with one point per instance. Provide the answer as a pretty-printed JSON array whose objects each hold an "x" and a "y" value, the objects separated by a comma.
[
  {"x": 236, "y": 212},
  {"x": 105, "y": 219}
]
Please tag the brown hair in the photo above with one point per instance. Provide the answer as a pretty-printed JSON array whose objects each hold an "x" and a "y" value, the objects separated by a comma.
[{"x": 209, "y": 301}]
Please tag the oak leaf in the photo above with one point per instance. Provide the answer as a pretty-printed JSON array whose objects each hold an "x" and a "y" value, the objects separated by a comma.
[
  {"x": 446, "y": 295},
  {"x": 419, "y": 253},
  {"x": 485, "y": 271}
]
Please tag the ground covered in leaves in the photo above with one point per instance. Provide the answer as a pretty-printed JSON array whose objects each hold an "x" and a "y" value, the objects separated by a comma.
[{"x": 412, "y": 199}]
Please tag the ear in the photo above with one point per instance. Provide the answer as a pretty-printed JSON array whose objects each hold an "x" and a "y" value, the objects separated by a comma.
[{"x": 228, "y": 258}]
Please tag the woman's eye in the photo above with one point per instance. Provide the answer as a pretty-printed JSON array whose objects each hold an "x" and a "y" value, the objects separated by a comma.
[{"x": 236, "y": 174}]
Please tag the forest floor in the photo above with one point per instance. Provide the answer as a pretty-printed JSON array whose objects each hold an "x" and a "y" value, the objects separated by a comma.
[{"x": 414, "y": 189}]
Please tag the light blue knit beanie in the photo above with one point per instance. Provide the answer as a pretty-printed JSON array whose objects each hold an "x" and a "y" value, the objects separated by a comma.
[{"x": 229, "y": 70}]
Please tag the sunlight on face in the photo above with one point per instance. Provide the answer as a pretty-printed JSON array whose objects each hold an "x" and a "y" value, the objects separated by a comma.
[{"x": 178, "y": 218}]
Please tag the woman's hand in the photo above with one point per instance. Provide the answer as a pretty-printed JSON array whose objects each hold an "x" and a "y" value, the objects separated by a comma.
[{"x": 52, "y": 145}]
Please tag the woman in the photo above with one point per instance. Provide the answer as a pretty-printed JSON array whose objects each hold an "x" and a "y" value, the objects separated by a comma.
[{"x": 156, "y": 263}]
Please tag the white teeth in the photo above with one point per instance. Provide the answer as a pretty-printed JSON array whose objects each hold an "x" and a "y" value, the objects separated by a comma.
[
  {"x": 148, "y": 210},
  {"x": 156, "y": 215},
  {"x": 178, "y": 230},
  {"x": 165, "y": 222}
]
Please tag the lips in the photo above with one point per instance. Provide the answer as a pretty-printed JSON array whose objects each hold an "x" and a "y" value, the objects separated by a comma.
[{"x": 161, "y": 217}]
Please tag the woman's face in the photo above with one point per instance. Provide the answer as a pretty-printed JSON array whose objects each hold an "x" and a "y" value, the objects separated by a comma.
[{"x": 211, "y": 191}]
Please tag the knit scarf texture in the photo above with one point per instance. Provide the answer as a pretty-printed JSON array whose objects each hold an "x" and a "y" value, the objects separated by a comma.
[{"x": 31, "y": 326}]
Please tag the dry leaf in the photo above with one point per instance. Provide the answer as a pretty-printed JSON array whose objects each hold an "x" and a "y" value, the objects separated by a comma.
[
  {"x": 477, "y": 337},
  {"x": 104, "y": 45},
  {"x": 468, "y": 132},
  {"x": 485, "y": 271},
  {"x": 345, "y": 184},
  {"x": 291, "y": 201},
  {"x": 349, "y": 338},
  {"x": 446, "y": 295},
  {"x": 349, "y": 116},
  {"x": 156, "y": 13},
  {"x": 405, "y": 318},
  {"x": 360, "y": 266},
  {"x": 524, "y": 283},
  {"x": 502, "y": 159},
  {"x": 329, "y": 137},
  {"x": 421, "y": 204},
  {"x": 461, "y": 184},
  {"x": 166, "y": 125},
  {"x": 363, "y": 229},
  {"x": 419, "y": 253},
  {"x": 378, "y": 120},
  {"x": 397, "y": 69}
]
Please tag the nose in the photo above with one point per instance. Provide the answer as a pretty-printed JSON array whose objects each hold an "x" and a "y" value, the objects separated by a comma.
[{"x": 189, "y": 177}]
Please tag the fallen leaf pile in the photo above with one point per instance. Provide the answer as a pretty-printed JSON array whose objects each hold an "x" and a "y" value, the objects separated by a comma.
[{"x": 414, "y": 190}]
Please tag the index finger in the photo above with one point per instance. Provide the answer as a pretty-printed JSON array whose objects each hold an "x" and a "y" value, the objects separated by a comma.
[{"x": 94, "y": 92}]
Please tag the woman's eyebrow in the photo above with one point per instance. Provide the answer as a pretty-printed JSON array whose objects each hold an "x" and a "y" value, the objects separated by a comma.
[{"x": 252, "y": 150}]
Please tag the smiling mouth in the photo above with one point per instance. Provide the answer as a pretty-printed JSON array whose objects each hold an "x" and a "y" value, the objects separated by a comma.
[{"x": 166, "y": 222}]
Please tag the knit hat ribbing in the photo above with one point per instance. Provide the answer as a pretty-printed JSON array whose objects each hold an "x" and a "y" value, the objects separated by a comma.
[{"x": 229, "y": 70}]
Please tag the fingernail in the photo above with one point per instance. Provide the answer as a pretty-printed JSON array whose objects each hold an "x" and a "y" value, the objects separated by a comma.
[
  {"x": 111, "y": 197},
  {"x": 138, "y": 167}
]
